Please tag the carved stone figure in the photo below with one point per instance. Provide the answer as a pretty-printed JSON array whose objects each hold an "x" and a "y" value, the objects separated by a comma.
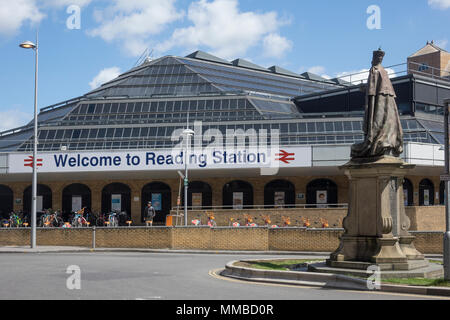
[{"x": 383, "y": 134}]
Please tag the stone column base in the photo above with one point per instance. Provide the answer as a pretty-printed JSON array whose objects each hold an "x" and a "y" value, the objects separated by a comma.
[{"x": 408, "y": 248}]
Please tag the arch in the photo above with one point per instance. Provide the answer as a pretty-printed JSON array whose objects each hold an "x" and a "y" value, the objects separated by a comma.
[
  {"x": 198, "y": 187},
  {"x": 155, "y": 192},
  {"x": 76, "y": 190},
  {"x": 116, "y": 189},
  {"x": 442, "y": 193},
  {"x": 426, "y": 193},
  {"x": 6, "y": 201},
  {"x": 44, "y": 201},
  {"x": 324, "y": 189},
  {"x": 408, "y": 191},
  {"x": 283, "y": 190},
  {"x": 237, "y": 194}
]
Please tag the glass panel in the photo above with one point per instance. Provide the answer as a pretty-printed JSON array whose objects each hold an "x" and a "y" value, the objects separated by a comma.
[
  {"x": 122, "y": 107},
  {"x": 135, "y": 132},
  {"x": 320, "y": 127},
  {"x": 101, "y": 133},
  {"x": 84, "y": 133},
  {"x": 130, "y": 107},
  {"x": 93, "y": 133},
  {"x": 110, "y": 133},
  {"x": 68, "y": 134},
  {"x": 311, "y": 127},
  {"x": 114, "y": 107},
  {"x": 118, "y": 133},
  {"x": 91, "y": 108},
  {"x": 107, "y": 108}
]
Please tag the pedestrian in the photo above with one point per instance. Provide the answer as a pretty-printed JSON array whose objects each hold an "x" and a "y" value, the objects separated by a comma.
[{"x": 149, "y": 214}]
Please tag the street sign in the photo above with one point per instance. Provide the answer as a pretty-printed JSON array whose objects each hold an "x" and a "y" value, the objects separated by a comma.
[{"x": 445, "y": 177}]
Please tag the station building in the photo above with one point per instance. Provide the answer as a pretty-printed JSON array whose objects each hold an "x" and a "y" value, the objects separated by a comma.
[{"x": 113, "y": 148}]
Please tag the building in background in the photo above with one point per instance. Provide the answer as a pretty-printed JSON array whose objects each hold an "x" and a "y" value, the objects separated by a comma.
[
  {"x": 430, "y": 60},
  {"x": 111, "y": 147}
]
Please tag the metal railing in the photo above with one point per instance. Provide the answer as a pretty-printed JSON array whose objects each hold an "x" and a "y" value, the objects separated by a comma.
[
  {"x": 264, "y": 207},
  {"x": 398, "y": 70}
]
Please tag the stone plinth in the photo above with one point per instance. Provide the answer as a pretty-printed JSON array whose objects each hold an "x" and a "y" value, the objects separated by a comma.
[{"x": 376, "y": 226}]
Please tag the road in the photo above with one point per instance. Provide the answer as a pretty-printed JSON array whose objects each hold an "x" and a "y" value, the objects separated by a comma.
[{"x": 148, "y": 276}]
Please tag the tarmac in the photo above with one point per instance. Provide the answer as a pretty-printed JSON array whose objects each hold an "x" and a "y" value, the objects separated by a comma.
[{"x": 299, "y": 278}]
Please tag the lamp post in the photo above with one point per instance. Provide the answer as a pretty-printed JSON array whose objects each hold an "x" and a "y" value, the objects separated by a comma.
[
  {"x": 31, "y": 45},
  {"x": 188, "y": 133},
  {"x": 447, "y": 192}
]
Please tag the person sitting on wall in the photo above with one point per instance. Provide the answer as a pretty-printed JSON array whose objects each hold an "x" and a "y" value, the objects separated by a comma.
[{"x": 149, "y": 214}]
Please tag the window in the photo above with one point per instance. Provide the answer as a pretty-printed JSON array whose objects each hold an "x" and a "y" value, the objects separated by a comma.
[
  {"x": 91, "y": 108},
  {"x": 118, "y": 133}
]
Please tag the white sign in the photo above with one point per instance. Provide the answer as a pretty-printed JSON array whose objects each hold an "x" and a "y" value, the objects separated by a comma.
[
  {"x": 76, "y": 203},
  {"x": 321, "y": 198},
  {"x": 197, "y": 200},
  {"x": 405, "y": 197},
  {"x": 279, "y": 199},
  {"x": 40, "y": 203},
  {"x": 426, "y": 197},
  {"x": 160, "y": 160},
  {"x": 238, "y": 200},
  {"x": 116, "y": 202}
]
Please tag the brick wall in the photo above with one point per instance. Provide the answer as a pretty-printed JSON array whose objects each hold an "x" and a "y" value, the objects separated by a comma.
[
  {"x": 202, "y": 238},
  {"x": 223, "y": 217},
  {"x": 334, "y": 217},
  {"x": 300, "y": 239},
  {"x": 427, "y": 218},
  {"x": 429, "y": 242}
]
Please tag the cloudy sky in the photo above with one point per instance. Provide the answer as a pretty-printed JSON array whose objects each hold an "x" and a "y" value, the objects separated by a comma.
[{"x": 79, "y": 52}]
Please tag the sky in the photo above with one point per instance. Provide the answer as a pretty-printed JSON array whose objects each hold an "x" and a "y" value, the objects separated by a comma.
[{"x": 84, "y": 43}]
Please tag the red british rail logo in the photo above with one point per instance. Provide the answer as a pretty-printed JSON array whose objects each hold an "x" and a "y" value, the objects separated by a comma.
[
  {"x": 285, "y": 157},
  {"x": 28, "y": 162}
]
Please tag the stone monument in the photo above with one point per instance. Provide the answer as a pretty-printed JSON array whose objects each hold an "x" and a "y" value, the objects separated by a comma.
[{"x": 376, "y": 226}]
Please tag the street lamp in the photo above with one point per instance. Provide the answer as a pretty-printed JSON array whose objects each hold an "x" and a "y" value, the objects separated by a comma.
[
  {"x": 447, "y": 192},
  {"x": 188, "y": 133},
  {"x": 31, "y": 45}
]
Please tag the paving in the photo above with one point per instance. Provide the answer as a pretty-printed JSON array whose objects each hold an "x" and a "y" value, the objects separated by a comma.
[{"x": 150, "y": 276}]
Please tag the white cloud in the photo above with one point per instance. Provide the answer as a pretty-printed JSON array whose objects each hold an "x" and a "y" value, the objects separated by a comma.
[
  {"x": 65, "y": 3},
  {"x": 227, "y": 32},
  {"x": 133, "y": 22},
  {"x": 14, "y": 14},
  {"x": 13, "y": 118},
  {"x": 276, "y": 46},
  {"x": 361, "y": 76},
  {"x": 439, "y": 4},
  {"x": 104, "y": 76},
  {"x": 317, "y": 69},
  {"x": 442, "y": 43}
]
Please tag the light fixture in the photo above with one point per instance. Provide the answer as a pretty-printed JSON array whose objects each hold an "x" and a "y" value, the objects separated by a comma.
[
  {"x": 27, "y": 45},
  {"x": 31, "y": 45}
]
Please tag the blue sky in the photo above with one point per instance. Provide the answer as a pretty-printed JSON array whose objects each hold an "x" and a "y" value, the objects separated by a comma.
[{"x": 327, "y": 37}]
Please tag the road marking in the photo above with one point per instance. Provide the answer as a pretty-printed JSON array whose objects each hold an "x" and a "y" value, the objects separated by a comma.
[
  {"x": 149, "y": 298},
  {"x": 215, "y": 273}
]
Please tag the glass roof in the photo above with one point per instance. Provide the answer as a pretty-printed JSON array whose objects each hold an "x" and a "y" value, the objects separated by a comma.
[{"x": 144, "y": 106}]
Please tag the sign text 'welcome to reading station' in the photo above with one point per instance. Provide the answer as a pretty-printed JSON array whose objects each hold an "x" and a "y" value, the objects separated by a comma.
[{"x": 161, "y": 160}]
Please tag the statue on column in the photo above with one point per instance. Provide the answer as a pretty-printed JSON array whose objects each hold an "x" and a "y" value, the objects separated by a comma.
[
  {"x": 376, "y": 228},
  {"x": 383, "y": 134}
]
